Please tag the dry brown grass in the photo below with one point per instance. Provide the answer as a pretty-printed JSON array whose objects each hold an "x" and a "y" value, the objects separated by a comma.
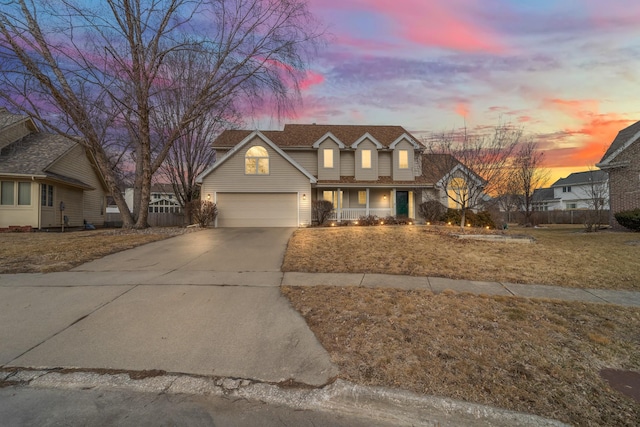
[
  {"x": 561, "y": 256},
  {"x": 48, "y": 252},
  {"x": 524, "y": 355}
]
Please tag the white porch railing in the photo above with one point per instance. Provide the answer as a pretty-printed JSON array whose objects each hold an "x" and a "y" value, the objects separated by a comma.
[{"x": 351, "y": 214}]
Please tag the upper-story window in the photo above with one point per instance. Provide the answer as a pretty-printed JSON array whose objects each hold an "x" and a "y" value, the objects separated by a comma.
[
  {"x": 403, "y": 159},
  {"x": 256, "y": 161},
  {"x": 366, "y": 159},
  {"x": 327, "y": 156},
  {"x": 566, "y": 189}
]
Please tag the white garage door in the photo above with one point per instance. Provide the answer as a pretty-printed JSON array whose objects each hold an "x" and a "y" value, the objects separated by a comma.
[{"x": 257, "y": 209}]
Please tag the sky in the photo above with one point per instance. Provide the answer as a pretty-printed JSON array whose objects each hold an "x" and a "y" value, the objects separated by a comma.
[{"x": 566, "y": 71}]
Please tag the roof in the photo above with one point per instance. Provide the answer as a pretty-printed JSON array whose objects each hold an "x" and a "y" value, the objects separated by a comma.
[
  {"x": 8, "y": 119},
  {"x": 542, "y": 194},
  {"x": 305, "y": 135},
  {"x": 578, "y": 178},
  {"x": 624, "y": 138},
  {"x": 34, "y": 153}
]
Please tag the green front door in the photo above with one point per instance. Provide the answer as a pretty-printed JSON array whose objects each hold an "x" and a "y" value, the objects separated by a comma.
[{"x": 402, "y": 203}]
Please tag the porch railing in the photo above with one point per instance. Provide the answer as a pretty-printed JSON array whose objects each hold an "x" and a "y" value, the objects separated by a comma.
[{"x": 351, "y": 214}]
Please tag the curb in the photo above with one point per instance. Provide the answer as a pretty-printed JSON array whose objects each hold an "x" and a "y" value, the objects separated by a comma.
[{"x": 377, "y": 403}]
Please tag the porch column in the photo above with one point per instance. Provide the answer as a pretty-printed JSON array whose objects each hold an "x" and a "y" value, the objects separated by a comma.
[
  {"x": 339, "y": 205},
  {"x": 367, "y": 206},
  {"x": 392, "y": 202}
]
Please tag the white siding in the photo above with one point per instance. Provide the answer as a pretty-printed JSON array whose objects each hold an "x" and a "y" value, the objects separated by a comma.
[
  {"x": 367, "y": 174},
  {"x": 307, "y": 159},
  {"x": 403, "y": 174},
  {"x": 347, "y": 163},
  {"x": 384, "y": 163},
  {"x": 333, "y": 173}
]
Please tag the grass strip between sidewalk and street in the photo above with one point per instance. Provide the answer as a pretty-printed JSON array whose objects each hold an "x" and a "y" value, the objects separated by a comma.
[{"x": 531, "y": 356}]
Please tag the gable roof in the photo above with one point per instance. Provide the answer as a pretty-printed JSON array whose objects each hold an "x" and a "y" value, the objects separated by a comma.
[
  {"x": 625, "y": 138},
  {"x": 244, "y": 142},
  {"x": 578, "y": 178},
  {"x": 33, "y": 154},
  {"x": 9, "y": 119},
  {"x": 543, "y": 194},
  {"x": 305, "y": 135}
]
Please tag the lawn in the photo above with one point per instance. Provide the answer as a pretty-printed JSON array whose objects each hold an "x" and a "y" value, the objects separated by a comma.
[
  {"x": 560, "y": 256},
  {"x": 47, "y": 252},
  {"x": 531, "y": 356}
]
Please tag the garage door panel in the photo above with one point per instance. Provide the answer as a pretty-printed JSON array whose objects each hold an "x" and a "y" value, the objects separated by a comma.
[{"x": 257, "y": 209}]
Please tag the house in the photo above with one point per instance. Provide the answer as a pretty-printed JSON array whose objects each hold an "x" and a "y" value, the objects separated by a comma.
[
  {"x": 161, "y": 200},
  {"x": 46, "y": 180},
  {"x": 622, "y": 162},
  {"x": 270, "y": 178},
  {"x": 579, "y": 190}
]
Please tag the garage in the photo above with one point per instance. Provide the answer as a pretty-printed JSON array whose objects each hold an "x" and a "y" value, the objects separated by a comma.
[{"x": 257, "y": 209}]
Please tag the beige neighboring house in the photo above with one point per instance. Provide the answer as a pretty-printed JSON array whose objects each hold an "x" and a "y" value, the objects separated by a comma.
[
  {"x": 270, "y": 178},
  {"x": 622, "y": 163},
  {"x": 46, "y": 180}
]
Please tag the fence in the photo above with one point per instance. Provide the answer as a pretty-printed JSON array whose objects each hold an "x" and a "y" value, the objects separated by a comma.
[
  {"x": 167, "y": 219},
  {"x": 568, "y": 216}
]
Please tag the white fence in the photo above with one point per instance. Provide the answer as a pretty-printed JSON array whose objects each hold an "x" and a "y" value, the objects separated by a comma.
[{"x": 355, "y": 214}]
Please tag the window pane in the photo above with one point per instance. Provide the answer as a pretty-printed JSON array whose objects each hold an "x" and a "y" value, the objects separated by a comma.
[
  {"x": 328, "y": 157},
  {"x": 250, "y": 166},
  {"x": 403, "y": 159},
  {"x": 366, "y": 159},
  {"x": 50, "y": 199},
  {"x": 43, "y": 194},
  {"x": 362, "y": 197},
  {"x": 257, "y": 151},
  {"x": 263, "y": 166},
  {"x": 24, "y": 193},
  {"x": 6, "y": 190}
]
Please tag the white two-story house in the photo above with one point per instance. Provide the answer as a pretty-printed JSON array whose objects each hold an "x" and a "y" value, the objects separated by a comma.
[
  {"x": 271, "y": 178},
  {"x": 579, "y": 190}
]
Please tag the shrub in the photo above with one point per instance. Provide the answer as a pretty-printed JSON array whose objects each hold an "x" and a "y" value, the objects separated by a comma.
[
  {"x": 368, "y": 220},
  {"x": 629, "y": 219},
  {"x": 204, "y": 212},
  {"x": 480, "y": 219},
  {"x": 321, "y": 210},
  {"x": 431, "y": 210}
]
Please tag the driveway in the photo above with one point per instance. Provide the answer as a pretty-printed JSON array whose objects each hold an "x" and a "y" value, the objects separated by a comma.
[{"x": 205, "y": 303}]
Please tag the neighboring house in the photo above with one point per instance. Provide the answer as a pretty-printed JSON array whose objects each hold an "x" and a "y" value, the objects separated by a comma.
[
  {"x": 46, "y": 180},
  {"x": 577, "y": 191},
  {"x": 270, "y": 178},
  {"x": 162, "y": 200},
  {"x": 622, "y": 162}
]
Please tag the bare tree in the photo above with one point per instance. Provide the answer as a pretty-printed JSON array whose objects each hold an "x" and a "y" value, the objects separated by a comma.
[
  {"x": 471, "y": 166},
  {"x": 527, "y": 174},
  {"x": 97, "y": 72},
  {"x": 597, "y": 192}
]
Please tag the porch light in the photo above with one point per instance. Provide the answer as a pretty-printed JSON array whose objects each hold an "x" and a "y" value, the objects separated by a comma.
[
  {"x": 208, "y": 196},
  {"x": 304, "y": 197},
  {"x": 384, "y": 197}
]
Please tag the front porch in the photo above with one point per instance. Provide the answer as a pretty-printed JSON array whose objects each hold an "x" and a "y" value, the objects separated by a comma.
[{"x": 350, "y": 204}]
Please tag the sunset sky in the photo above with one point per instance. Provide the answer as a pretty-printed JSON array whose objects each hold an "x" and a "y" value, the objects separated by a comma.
[{"x": 568, "y": 71}]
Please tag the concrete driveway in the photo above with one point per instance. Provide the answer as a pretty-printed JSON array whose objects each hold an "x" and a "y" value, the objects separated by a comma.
[{"x": 205, "y": 303}]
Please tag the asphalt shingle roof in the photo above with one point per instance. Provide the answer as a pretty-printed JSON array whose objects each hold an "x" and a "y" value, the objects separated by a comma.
[
  {"x": 623, "y": 136},
  {"x": 577, "y": 178},
  {"x": 541, "y": 194},
  {"x": 299, "y": 135},
  {"x": 7, "y": 119},
  {"x": 33, "y": 154}
]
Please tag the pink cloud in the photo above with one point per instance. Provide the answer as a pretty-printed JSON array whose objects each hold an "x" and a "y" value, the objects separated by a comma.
[
  {"x": 462, "y": 109},
  {"x": 311, "y": 79}
]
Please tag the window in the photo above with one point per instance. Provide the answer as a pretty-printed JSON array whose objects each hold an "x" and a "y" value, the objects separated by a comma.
[
  {"x": 24, "y": 194},
  {"x": 366, "y": 159},
  {"x": 46, "y": 195},
  {"x": 572, "y": 206},
  {"x": 327, "y": 155},
  {"x": 6, "y": 193},
  {"x": 362, "y": 197},
  {"x": 403, "y": 159},
  {"x": 566, "y": 189},
  {"x": 256, "y": 161},
  {"x": 332, "y": 196}
]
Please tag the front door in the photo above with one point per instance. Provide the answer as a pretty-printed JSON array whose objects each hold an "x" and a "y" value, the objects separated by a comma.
[{"x": 402, "y": 203}]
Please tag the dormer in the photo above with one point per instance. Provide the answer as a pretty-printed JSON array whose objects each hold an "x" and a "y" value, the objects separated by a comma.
[
  {"x": 366, "y": 158},
  {"x": 328, "y": 147},
  {"x": 404, "y": 151}
]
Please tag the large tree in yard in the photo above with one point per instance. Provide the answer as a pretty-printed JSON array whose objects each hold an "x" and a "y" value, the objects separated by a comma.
[
  {"x": 527, "y": 174},
  {"x": 472, "y": 165},
  {"x": 102, "y": 72}
]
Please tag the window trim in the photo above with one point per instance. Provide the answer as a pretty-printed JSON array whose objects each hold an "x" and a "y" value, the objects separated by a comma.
[
  {"x": 257, "y": 160},
  {"x": 370, "y": 159},
  {"x": 400, "y": 159}
]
